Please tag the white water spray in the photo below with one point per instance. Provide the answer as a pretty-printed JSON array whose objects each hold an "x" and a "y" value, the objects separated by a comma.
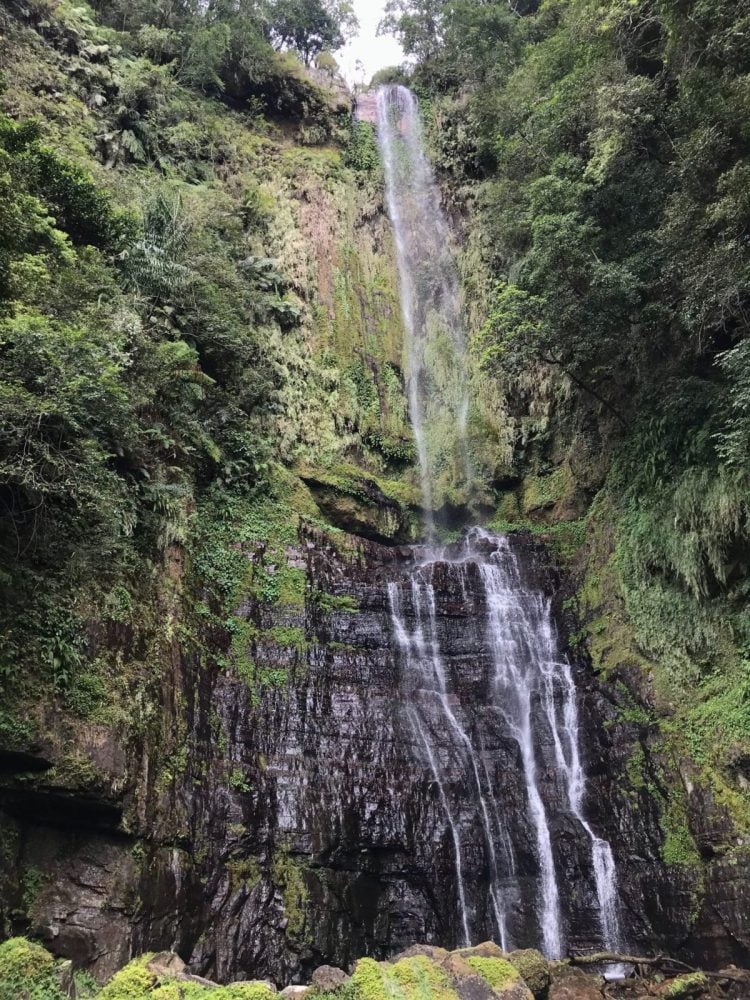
[{"x": 425, "y": 666}]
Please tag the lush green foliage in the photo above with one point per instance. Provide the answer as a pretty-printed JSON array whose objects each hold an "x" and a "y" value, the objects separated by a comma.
[
  {"x": 612, "y": 143},
  {"x": 228, "y": 43},
  {"x": 27, "y": 970},
  {"x": 120, "y": 392},
  {"x": 143, "y": 320}
]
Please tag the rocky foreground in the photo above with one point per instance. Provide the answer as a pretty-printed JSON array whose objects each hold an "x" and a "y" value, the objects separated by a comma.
[{"x": 484, "y": 972}]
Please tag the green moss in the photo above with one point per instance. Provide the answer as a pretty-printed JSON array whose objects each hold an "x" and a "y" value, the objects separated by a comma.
[
  {"x": 508, "y": 509},
  {"x": 86, "y": 694},
  {"x": 15, "y": 729},
  {"x": 335, "y": 602},
  {"x": 291, "y": 586},
  {"x": 86, "y": 987},
  {"x": 244, "y": 873},
  {"x": 368, "y": 981},
  {"x": 685, "y": 986},
  {"x": 32, "y": 883},
  {"x": 175, "y": 764},
  {"x": 288, "y": 875},
  {"x": 288, "y": 635},
  {"x": 541, "y": 492},
  {"x": 237, "y": 780},
  {"x": 27, "y": 969},
  {"x": 275, "y": 582},
  {"x": 636, "y": 768},
  {"x": 74, "y": 770},
  {"x": 533, "y": 968},
  {"x": 679, "y": 845},
  {"x": 497, "y": 972},
  {"x": 242, "y": 633},
  {"x": 415, "y": 978},
  {"x": 353, "y": 481},
  {"x": 170, "y": 991},
  {"x": 134, "y": 982},
  {"x": 242, "y": 991},
  {"x": 419, "y": 977}
]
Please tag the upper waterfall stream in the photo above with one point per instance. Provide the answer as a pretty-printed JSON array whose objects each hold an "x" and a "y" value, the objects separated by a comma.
[
  {"x": 531, "y": 691},
  {"x": 436, "y": 370}
]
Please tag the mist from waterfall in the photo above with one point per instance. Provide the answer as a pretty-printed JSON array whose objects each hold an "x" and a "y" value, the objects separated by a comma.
[{"x": 530, "y": 685}]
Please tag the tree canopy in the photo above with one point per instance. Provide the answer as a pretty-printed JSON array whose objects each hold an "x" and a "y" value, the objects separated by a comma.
[{"x": 312, "y": 26}]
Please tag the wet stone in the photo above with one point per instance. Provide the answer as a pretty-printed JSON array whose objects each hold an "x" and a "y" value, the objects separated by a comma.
[{"x": 329, "y": 979}]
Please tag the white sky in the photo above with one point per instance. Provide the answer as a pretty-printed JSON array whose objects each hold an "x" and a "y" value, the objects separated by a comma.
[{"x": 373, "y": 52}]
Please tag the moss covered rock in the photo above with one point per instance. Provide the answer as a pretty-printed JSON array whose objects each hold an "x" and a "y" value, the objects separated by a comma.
[
  {"x": 134, "y": 982},
  {"x": 163, "y": 977},
  {"x": 533, "y": 968},
  {"x": 427, "y": 973},
  {"x": 688, "y": 987},
  {"x": 487, "y": 949},
  {"x": 414, "y": 978},
  {"x": 500, "y": 975},
  {"x": 27, "y": 969},
  {"x": 364, "y": 504}
]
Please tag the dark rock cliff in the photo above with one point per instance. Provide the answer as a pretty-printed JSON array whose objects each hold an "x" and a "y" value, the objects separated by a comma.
[{"x": 300, "y": 823}]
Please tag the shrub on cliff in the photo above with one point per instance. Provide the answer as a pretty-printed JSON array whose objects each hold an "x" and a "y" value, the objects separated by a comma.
[
  {"x": 27, "y": 970},
  {"x": 138, "y": 981}
]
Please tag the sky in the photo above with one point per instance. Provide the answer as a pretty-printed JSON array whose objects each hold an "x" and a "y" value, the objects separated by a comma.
[{"x": 373, "y": 52}]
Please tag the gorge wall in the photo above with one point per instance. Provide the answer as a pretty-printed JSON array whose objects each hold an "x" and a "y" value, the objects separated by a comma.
[
  {"x": 303, "y": 824},
  {"x": 230, "y": 771}
]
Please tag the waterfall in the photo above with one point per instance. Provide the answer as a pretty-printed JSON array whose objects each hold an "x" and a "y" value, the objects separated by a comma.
[
  {"x": 426, "y": 672},
  {"x": 530, "y": 689},
  {"x": 527, "y": 660},
  {"x": 437, "y": 384}
]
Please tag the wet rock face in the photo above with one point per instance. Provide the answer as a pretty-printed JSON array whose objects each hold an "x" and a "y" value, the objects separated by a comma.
[
  {"x": 313, "y": 827},
  {"x": 301, "y": 822},
  {"x": 366, "y": 108}
]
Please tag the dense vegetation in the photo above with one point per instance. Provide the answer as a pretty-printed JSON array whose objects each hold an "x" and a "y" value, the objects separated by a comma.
[
  {"x": 605, "y": 150},
  {"x": 147, "y": 335}
]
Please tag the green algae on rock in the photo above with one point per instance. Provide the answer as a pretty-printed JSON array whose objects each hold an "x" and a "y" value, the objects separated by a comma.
[{"x": 533, "y": 968}]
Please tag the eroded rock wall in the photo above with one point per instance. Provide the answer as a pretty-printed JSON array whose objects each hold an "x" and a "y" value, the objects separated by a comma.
[{"x": 299, "y": 823}]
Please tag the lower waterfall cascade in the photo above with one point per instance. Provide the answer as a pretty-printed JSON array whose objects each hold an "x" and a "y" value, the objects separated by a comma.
[{"x": 531, "y": 701}]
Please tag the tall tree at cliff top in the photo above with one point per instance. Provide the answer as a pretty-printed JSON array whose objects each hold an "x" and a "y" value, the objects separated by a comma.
[{"x": 310, "y": 26}]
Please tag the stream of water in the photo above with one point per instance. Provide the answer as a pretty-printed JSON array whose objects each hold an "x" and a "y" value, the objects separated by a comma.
[
  {"x": 437, "y": 387},
  {"x": 530, "y": 683}
]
